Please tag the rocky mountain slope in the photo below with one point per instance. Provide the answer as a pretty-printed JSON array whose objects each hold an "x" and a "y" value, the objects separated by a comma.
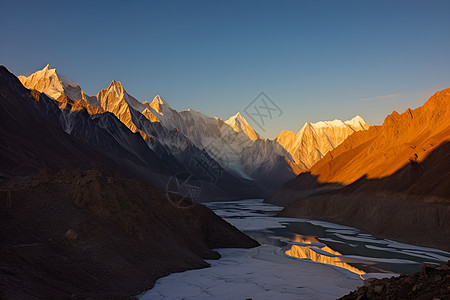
[
  {"x": 168, "y": 147},
  {"x": 81, "y": 234},
  {"x": 74, "y": 222},
  {"x": 398, "y": 171},
  {"x": 32, "y": 136},
  {"x": 187, "y": 136},
  {"x": 233, "y": 145},
  {"x": 412, "y": 205},
  {"x": 432, "y": 282},
  {"x": 382, "y": 150}
]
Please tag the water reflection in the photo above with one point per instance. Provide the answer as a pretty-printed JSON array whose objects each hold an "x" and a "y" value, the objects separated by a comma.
[
  {"x": 316, "y": 251},
  {"x": 349, "y": 246}
]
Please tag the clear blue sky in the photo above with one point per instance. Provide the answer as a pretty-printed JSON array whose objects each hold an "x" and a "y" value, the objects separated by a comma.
[{"x": 318, "y": 60}]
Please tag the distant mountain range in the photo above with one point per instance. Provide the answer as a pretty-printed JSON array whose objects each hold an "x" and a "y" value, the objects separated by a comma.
[
  {"x": 315, "y": 140},
  {"x": 218, "y": 153}
]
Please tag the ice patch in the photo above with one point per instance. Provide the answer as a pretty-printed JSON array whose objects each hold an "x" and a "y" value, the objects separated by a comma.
[
  {"x": 428, "y": 255},
  {"x": 258, "y": 273},
  {"x": 357, "y": 258},
  {"x": 256, "y": 223},
  {"x": 360, "y": 239},
  {"x": 378, "y": 275},
  {"x": 343, "y": 231},
  {"x": 394, "y": 244},
  {"x": 331, "y": 240}
]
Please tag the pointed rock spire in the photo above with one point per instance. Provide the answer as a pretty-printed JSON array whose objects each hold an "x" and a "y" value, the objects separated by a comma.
[
  {"x": 159, "y": 104},
  {"x": 239, "y": 123}
]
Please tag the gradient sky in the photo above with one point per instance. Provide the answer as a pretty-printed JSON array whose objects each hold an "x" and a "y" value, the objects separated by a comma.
[{"x": 318, "y": 60}]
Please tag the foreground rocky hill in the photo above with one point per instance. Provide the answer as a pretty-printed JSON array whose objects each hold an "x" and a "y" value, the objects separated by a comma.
[
  {"x": 81, "y": 234},
  {"x": 432, "y": 282}
]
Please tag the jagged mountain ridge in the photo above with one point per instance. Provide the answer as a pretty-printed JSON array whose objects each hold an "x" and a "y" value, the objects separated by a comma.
[
  {"x": 157, "y": 122},
  {"x": 239, "y": 123},
  {"x": 233, "y": 143},
  {"x": 51, "y": 83},
  {"x": 109, "y": 135},
  {"x": 39, "y": 134},
  {"x": 184, "y": 134},
  {"x": 315, "y": 140}
]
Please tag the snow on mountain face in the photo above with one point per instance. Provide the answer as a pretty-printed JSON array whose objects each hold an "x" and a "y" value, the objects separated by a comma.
[
  {"x": 224, "y": 141},
  {"x": 217, "y": 138},
  {"x": 158, "y": 104},
  {"x": 314, "y": 140},
  {"x": 238, "y": 123},
  {"x": 51, "y": 83},
  {"x": 233, "y": 143},
  {"x": 357, "y": 123},
  {"x": 159, "y": 124},
  {"x": 66, "y": 81}
]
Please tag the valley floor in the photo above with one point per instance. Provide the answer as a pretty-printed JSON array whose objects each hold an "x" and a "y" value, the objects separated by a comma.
[
  {"x": 259, "y": 273},
  {"x": 298, "y": 259}
]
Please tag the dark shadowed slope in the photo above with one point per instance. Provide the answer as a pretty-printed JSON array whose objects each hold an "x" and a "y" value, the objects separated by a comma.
[
  {"x": 76, "y": 233},
  {"x": 412, "y": 205},
  {"x": 84, "y": 234},
  {"x": 36, "y": 133},
  {"x": 28, "y": 140},
  {"x": 174, "y": 145}
]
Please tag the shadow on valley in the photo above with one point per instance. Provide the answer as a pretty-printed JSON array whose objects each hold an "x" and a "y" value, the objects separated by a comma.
[
  {"x": 79, "y": 234},
  {"x": 411, "y": 205}
]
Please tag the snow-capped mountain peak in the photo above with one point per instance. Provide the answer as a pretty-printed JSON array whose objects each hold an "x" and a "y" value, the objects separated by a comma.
[
  {"x": 158, "y": 99},
  {"x": 357, "y": 123},
  {"x": 158, "y": 104},
  {"x": 116, "y": 99},
  {"x": 314, "y": 140},
  {"x": 189, "y": 134},
  {"x": 329, "y": 124},
  {"x": 47, "y": 68},
  {"x": 237, "y": 118},
  {"x": 116, "y": 88},
  {"x": 51, "y": 83},
  {"x": 239, "y": 123}
]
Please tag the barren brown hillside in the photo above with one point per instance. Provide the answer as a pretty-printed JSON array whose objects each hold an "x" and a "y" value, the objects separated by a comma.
[
  {"x": 382, "y": 150},
  {"x": 398, "y": 171}
]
